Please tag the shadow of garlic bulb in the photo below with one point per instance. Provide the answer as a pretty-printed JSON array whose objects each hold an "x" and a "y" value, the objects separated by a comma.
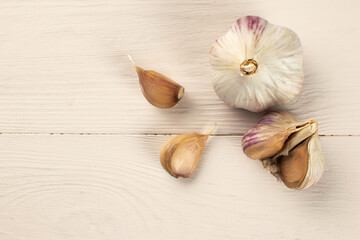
[{"x": 257, "y": 64}]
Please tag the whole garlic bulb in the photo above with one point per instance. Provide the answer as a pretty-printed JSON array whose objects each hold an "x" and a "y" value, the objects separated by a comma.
[
  {"x": 290, "y": 149},
  {"x": 257, "y": 64}
]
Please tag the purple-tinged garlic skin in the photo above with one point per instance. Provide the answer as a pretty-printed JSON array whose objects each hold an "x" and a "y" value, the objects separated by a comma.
[
  {"x": 257, "y": 64},
  {"x": 290, "y": 149},
  {"x": 268, "y": 137}
]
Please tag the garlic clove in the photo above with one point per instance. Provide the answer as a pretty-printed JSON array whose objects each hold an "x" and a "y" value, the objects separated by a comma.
[
  {"x": 257, "y": 64},
  {"x": 268, "y": 137},
  {"x": 293, "y": 167},
  {"x": 316, "y": 164},
  {"x": 289, "y": 149},
  {"x": 304, "y": 165},
  {"x": 263, "y": 142},
  {"x": 181, "y": 154},
  {"x": 159, "y": 90}
]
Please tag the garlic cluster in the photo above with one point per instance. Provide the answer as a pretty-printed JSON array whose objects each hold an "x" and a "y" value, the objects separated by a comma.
[
  {"x": 159, "y": 90},
  {"x": 257, "y": 64},
  {"x": 181, "y": 154},
  {"x": 290, "y": 149}
]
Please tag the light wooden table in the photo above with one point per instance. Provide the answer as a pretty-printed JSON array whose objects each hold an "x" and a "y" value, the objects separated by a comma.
[{"x": 79, "y": 145}]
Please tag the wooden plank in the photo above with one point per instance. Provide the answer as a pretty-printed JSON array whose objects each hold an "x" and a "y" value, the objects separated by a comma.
[
  {"x": 113, "y": 187},
  {"x": 63, "y": 64}
]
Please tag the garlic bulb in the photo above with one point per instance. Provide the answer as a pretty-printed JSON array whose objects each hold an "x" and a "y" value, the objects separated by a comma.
[
  {"x": 290, "y": 149},
  {"x": 159, "y": 90},
  {"x": 257, "y": 64},
  {"x": 181, "y": 154}
]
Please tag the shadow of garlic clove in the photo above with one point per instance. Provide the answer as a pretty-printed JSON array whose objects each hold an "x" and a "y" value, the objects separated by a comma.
[
  {"x": 159, "y": 90},
  {"x": 257, "y": 64},
  {"x": 181, "y": 154},
  {"x": 290, "y": 149}
]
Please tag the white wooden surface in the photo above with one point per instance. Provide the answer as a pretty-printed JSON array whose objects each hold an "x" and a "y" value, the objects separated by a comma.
[{"x": 79, "y": 155}]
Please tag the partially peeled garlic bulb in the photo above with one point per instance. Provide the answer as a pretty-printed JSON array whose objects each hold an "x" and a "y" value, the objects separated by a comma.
[
  {"x": 290, "y": 149},
  {"x": 257, "y": 64},
  {"x": 159, "y": 90},
  {"x": 181, "y": 154}
]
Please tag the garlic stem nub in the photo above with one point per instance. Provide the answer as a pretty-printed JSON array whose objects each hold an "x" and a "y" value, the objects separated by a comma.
[
  {"x": 211, "y": 131},
  {"x": 132, "y": 61},
  {"x": 248, "y": 67}
]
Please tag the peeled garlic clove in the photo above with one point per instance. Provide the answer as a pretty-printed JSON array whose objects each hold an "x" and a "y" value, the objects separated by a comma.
[
  {"x": 268, "y": 137},
  {"x": 257, "y": 64},
  {"x": 181, "y": 154},
  {"x": 159, "y": 90},
  {"x": 304, "y": 165}
]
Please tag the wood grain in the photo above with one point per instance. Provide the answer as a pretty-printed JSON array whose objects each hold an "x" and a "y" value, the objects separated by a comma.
[
  {"x": 92, "y": 187},
  {"x": 63, "y": 64},
  {"x": 79, "y": 144}
]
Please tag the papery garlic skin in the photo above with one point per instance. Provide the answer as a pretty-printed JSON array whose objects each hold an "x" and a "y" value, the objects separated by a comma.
[
  {"x": 275, "y": 79},
  {"x": 268, "y": 137},
  {"x": 293, "y": 167},
  {"x": 181, "y": 154},
  {"x": 316, "y": 163},
  {"x": 159, "y": 90},
  {"x": 290, "y": 149},
  {"x": 309, "y": 155}
]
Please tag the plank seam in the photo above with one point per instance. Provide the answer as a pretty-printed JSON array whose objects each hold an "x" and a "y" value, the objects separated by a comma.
[{"x": 150, "y": 134}]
